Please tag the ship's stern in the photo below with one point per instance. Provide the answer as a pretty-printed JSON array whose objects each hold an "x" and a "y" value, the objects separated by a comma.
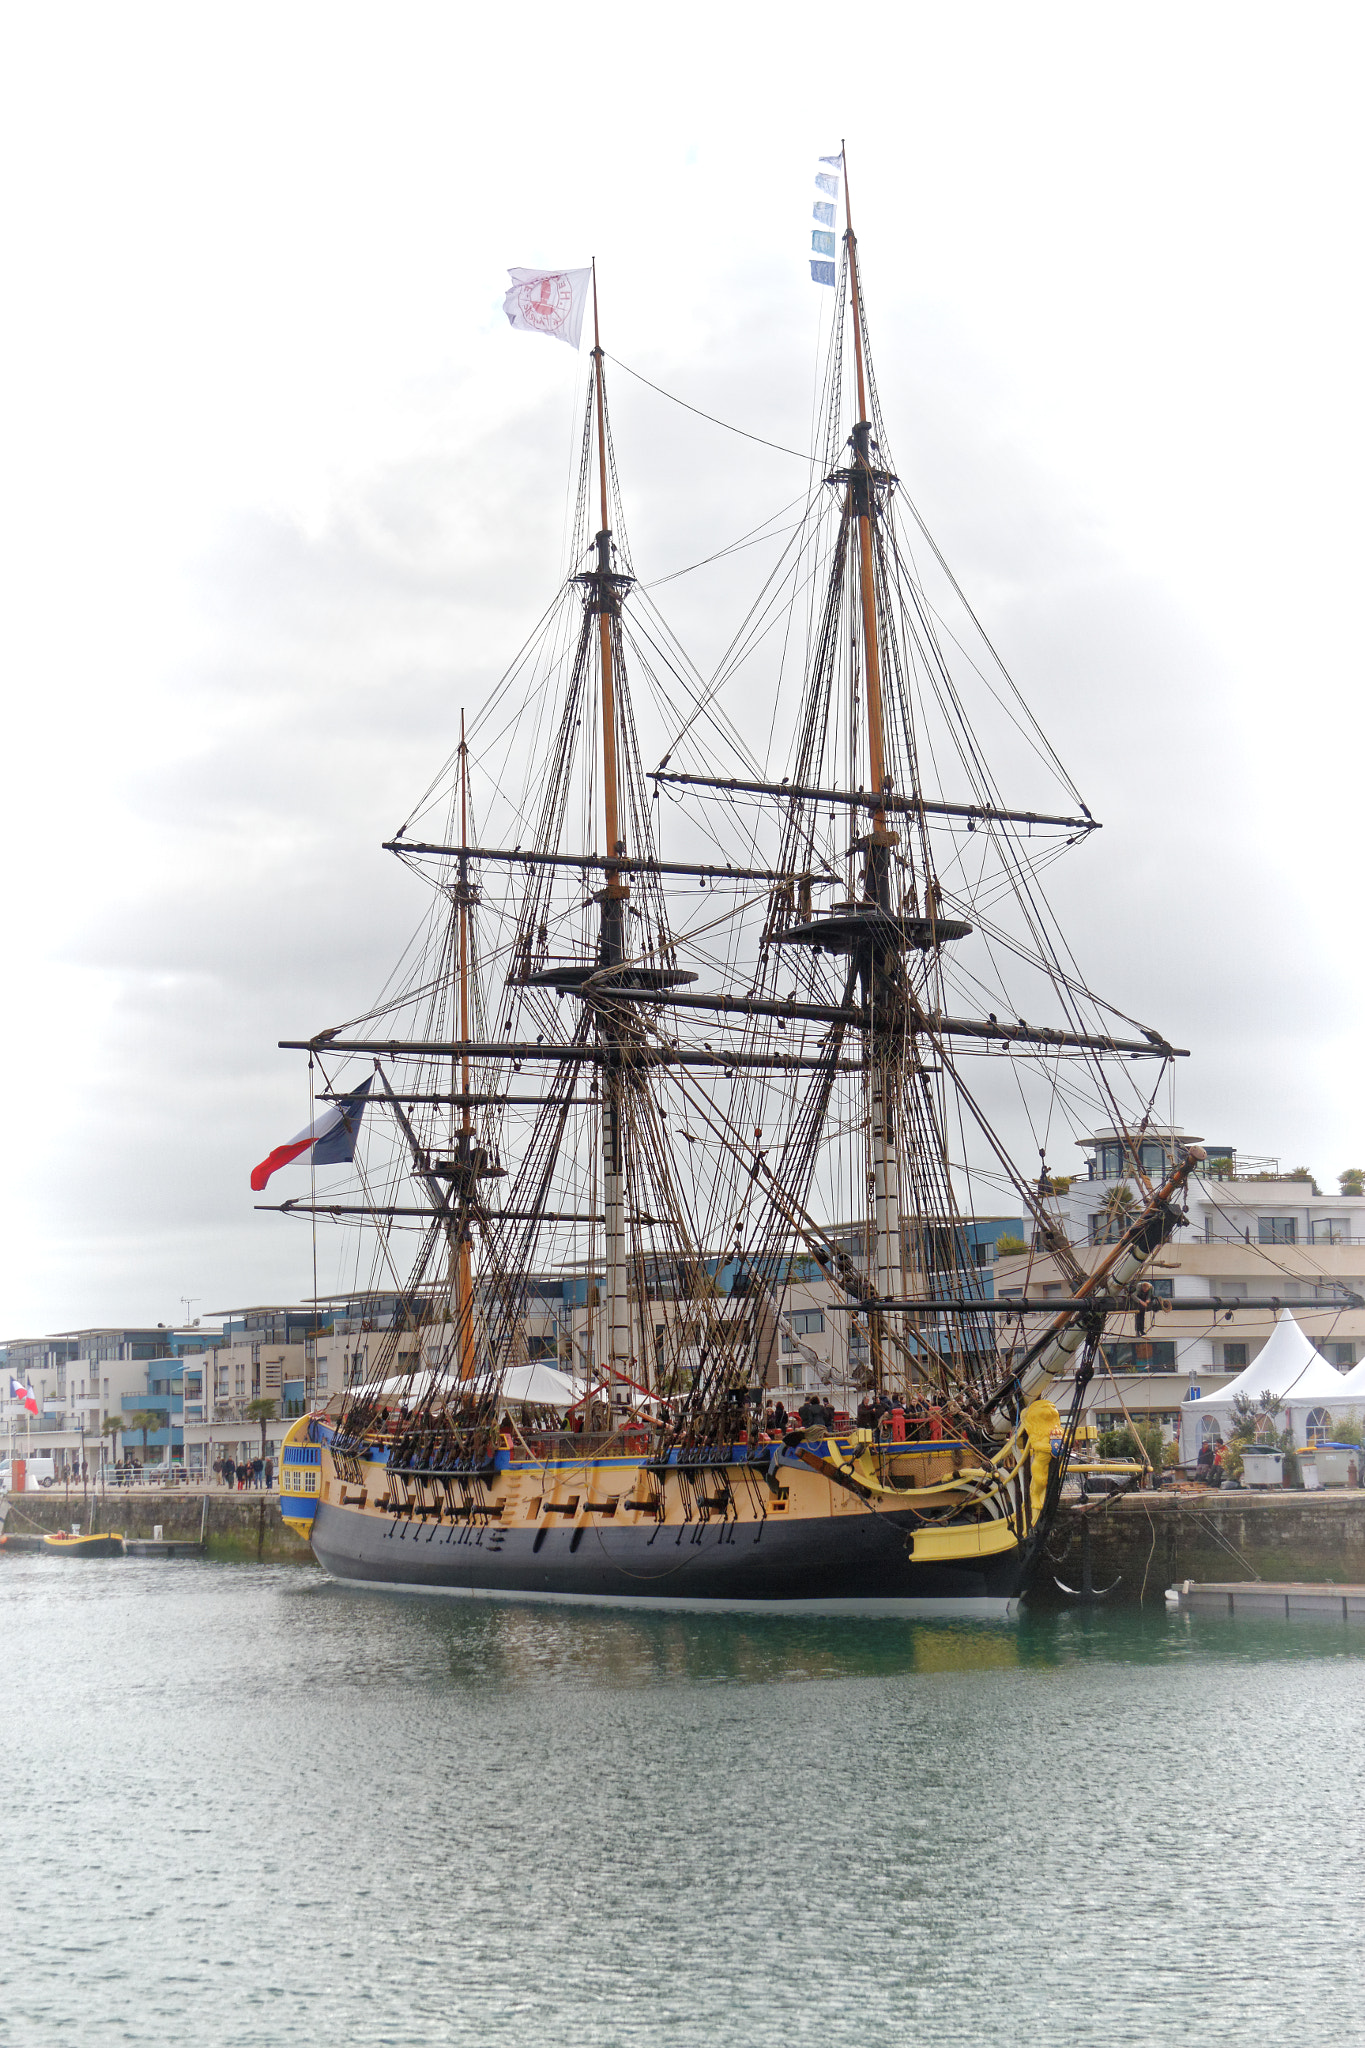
[{"x": 300, "y": 1478}]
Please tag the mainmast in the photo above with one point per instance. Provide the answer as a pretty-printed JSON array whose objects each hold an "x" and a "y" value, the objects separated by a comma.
[
  {"x": 464, "y": 1284},
  {"x": 879, "y": 963},
  {"x": 604, "y": 600}
]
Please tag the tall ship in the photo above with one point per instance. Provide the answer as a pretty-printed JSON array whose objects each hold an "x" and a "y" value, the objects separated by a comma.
[{"x": 777, "y": 1017}]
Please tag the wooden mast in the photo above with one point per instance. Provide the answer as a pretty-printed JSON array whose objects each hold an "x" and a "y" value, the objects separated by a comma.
[
  {"x": 862, "y": 502},
  {"x": 615, "y": 845},
  {"x": 613, "y": 899},
  {"x": 464, "y": 1283},
  {"x": 879, "y": 989}
]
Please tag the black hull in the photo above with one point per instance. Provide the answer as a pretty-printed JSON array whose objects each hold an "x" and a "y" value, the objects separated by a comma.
[{"x": 857, "y": 1564}]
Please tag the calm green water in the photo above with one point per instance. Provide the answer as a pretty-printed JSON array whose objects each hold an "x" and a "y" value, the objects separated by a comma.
[{"x": 245, "y": 1806}]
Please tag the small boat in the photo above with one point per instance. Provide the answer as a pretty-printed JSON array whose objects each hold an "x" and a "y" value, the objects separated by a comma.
[{"x": 85, "y": 1546}]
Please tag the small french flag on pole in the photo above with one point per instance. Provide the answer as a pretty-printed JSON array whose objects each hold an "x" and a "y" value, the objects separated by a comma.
[
  {"x": 25, "y": 1396},
  {"x": 330, "y": 1138}
]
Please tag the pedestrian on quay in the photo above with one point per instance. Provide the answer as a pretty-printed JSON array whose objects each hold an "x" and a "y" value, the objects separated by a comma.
[
  {"x": 257, "y": 1470},
  {"x": 269, "y": 1473}
]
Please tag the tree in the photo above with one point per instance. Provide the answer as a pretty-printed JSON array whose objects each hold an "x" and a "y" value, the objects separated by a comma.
[
  {"x": 1143, "y": 1442},
  {"x": 262, "y": 1412},
  {"x": 145, "y": 1419},
  {"x": 1254, "y": 1423},
  {"x": 1008, "y": 1247},
  {"x": 1118, "y": 1213},
  {"x": 1352, "y": 1180},
  {"x": 1304, "y": 1173},
  {"x": 111, "y": 1426}
]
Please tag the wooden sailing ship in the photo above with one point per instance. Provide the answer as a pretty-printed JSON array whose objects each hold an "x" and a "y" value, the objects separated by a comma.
[{"x": 687, "y": 1079}]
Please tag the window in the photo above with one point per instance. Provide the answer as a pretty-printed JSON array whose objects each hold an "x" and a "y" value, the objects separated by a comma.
[
  {"x": 1164, "y": 1290},
  {"x": 808, "y": 1322},
  {"x": 1343, "y": 1356},
  {"x": 1234, "y": 1357},
  {"x": 1277, "y": 1230},
  {"x": 1318, "y": 1426},
  {"x": 1141, "y": 1356},
  {"x": 1329, "y": 1230},
  {"x": 795, "y": 1378}
]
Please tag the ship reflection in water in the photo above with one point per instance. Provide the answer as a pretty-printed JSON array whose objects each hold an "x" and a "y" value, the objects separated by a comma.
[{"x": 513, "y": 1645}]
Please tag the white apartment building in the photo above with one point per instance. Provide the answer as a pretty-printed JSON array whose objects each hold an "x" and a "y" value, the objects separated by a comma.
[{"x": 1253, "y": 1234}]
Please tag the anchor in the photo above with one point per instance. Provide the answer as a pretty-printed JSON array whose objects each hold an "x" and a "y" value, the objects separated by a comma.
[{"x": 1088, "y": 1595}]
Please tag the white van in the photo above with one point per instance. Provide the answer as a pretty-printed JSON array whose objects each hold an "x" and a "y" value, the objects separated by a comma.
[{"x": 37, "y": 1472}]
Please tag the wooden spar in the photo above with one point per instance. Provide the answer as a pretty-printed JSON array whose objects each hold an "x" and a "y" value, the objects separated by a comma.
[
  {"x": 614, "y": 843},
  {"x": 863, "y": 508},
  {"x": 857, "y": 799},
  {"x": 464, "y": 1279},
  {"x": 713, "y": 871}
]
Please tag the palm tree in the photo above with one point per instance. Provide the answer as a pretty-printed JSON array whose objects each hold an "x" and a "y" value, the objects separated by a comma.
[
  {"x": 111, "y": 1426},
  {"x": 262, "y": 1412},
  {"x": 145, "y": 1419},
  {"x": 1120, "y": 1210}
]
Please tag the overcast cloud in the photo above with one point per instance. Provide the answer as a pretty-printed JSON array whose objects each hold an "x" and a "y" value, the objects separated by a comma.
[{"x": 282, "y": 492}]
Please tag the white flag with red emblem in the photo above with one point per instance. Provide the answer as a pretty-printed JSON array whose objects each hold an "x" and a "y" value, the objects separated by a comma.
[{"x": 548, "y": 302}]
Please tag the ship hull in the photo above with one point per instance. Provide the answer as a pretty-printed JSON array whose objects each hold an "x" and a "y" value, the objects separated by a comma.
[{"x": 842, "y": 1565}]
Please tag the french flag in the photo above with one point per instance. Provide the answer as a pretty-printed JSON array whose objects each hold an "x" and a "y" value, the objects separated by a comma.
[
  {"x": 25, "y": 1396},
  {"x": 330, "y": 1137}
]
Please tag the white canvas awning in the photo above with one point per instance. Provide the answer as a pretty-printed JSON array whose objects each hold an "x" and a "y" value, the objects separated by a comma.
[{"x": 536, "y": 1385}]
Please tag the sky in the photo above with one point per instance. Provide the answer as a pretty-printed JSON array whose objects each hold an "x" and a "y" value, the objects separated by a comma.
[{"x": 281, "y": 492}]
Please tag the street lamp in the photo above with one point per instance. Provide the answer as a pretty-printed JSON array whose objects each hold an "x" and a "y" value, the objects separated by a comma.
[{"x": 83, "y": 1408}]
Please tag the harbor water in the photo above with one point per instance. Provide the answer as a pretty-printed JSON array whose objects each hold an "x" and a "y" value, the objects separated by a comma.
[{"x": 247, "y": 1806}]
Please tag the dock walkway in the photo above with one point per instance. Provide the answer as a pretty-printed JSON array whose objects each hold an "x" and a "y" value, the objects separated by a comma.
[{"x": 1289, "y": 1601}]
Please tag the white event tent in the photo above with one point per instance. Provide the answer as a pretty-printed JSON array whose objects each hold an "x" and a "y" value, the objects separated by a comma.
[
  {"x": 1288, "y": 1366},
  {"x": 1353, "y": 1388}
]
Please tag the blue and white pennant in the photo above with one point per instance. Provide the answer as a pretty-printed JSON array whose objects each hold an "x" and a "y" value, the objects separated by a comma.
[{"x": 822, "y": 236}]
